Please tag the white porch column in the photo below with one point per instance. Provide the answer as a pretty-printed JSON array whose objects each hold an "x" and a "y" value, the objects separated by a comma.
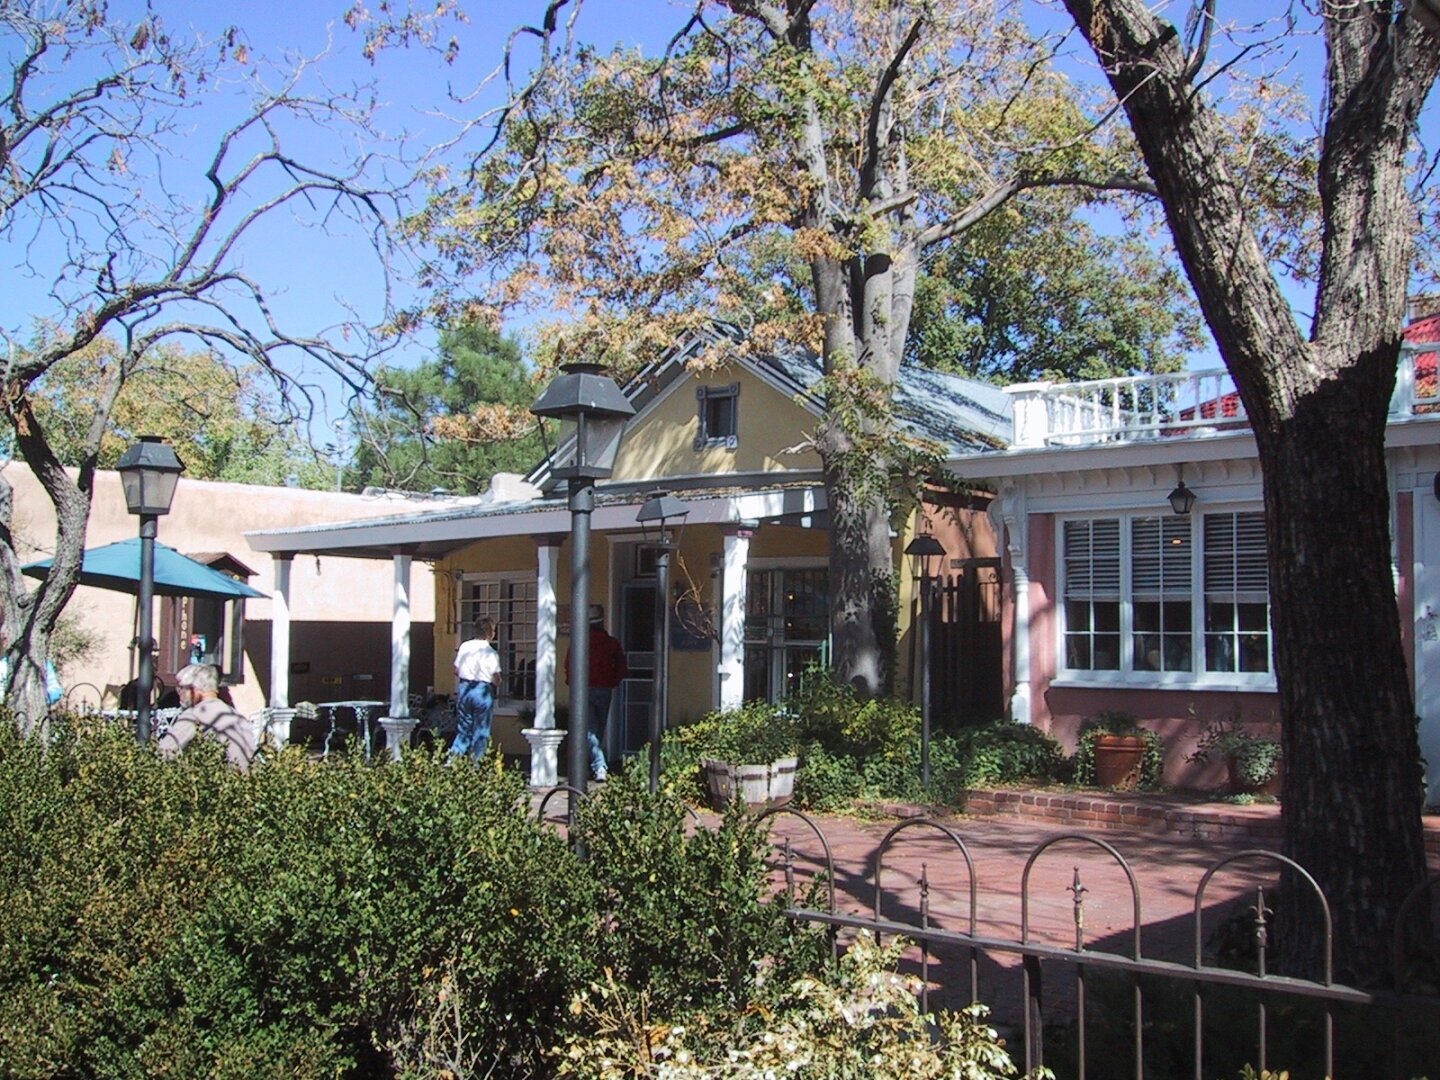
[
  {"x": 274, "y": 721},
  {"x": 399, "y": 725},
  {"x": 544, "y": 737},
  {"x": 400, "y": 638},
  {"x": 280, "y": 632},
  {"x": 1020, "y": 698},
  {"x": 1012, "y": 519},
  {"x": 732, "y": 618}
]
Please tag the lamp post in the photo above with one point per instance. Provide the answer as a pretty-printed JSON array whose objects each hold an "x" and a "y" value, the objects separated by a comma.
[
  {"x": 922, "y": 550},
  {"x": 149, "y": 471},
  {"x": 592, "y": 413},
  {"x": 661, "y": 508}
]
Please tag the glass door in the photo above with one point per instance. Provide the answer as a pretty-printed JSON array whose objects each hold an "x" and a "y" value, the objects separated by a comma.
[{"x": 787, "y": 628}]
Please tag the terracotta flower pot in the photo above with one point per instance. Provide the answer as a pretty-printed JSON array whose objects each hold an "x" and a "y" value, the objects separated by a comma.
[{"x": 1119, "y": 761}]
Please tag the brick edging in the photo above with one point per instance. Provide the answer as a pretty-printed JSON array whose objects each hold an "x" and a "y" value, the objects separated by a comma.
[
  {"x": 1259, "y": 825},
  {"x": 1202, "y": 822}
]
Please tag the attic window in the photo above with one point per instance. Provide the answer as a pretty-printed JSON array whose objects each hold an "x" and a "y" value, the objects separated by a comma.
[{"x": 719, "y": 416}]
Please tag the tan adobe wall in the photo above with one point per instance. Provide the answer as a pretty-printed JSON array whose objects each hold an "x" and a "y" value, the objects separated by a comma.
[{"x": 340, "y": 608}]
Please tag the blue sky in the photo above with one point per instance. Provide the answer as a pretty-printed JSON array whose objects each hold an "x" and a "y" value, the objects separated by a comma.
[
  {"x": 313, "y": 277},
  {"x": 311, "y": 274}
]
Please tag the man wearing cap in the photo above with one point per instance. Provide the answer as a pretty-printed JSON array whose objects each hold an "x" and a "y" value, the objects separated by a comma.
[{"x": 607, "y": 669}]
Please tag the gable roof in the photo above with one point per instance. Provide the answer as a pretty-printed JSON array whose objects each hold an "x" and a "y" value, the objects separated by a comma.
[{"x": 962, "y": 415}]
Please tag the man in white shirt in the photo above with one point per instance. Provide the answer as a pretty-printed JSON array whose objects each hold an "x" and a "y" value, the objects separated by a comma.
[{"x": 477, "y": 667}]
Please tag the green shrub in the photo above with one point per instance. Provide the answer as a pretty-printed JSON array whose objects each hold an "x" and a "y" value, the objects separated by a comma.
[
  {"x": 313, "y": 919},
  {"x": 178, "y": 917},
  {"x": 825, "y": 781},
  {"x": 360, "y": 881},
  {"x": 107, "y": 852},
  {"x": 858, "y": 1021},
  {"x": 834, "y": 715},
  {"x": 1004, "y": 752},
  {"x": 685, "y": 908},
  {"x": 755, "y": 733}
]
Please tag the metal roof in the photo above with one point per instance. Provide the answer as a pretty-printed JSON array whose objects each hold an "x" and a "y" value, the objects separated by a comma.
[
  {"x": 433, "y": 534},
  {"x": 961, "y": 414}
]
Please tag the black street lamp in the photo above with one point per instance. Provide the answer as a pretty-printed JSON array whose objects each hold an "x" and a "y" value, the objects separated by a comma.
[
  {"x": 662, "y": 509},
  {"x": 927, "y": 559},
  {"x": 149, "y": 471},
  {"x": 592, "y": 413}
]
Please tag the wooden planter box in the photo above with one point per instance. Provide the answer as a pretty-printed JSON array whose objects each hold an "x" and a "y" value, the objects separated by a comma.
[
  {"x": 1119, "y": 761},
  {"x": 755, "y": 785}
]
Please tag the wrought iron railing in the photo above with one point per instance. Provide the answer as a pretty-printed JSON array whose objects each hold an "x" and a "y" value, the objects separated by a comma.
[{"x": 1200, "y": 976}]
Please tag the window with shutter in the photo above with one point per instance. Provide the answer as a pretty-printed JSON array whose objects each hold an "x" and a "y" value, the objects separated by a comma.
[
  {"x": 1161, "y": 582},
  {"x": 1092, "y": 594},
  {"x": 1237, "y": 593},
  {"x": 1139, "y": 599}
]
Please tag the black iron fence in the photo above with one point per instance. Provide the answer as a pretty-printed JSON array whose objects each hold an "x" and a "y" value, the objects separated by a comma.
[{"x": 1163, "y": 1014}]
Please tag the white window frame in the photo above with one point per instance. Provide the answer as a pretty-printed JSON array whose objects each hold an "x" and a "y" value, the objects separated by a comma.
[
  {"x": 466, "y": 617},
  {"x": 1127, "y": 675}
]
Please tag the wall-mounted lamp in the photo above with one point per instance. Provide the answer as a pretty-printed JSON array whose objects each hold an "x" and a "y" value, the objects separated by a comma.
[{"x": 1182, "y": 499}]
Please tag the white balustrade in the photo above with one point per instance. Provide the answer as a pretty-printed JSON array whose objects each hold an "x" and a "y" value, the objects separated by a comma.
[{"x": 1177, "y": 404}]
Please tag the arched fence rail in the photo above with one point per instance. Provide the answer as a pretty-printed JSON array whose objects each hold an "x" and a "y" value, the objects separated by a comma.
[{"x": 1200, "y": 977}]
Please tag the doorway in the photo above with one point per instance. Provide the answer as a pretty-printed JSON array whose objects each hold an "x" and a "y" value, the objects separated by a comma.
[{"x": 787, "y": 629}]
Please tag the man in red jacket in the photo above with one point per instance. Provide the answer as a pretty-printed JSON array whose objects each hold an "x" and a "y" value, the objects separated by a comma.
[{"x": 607, "y": 669}]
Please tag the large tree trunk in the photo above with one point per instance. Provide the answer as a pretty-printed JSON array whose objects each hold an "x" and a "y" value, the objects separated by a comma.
[
  {"x": 1351, "y": 813},
  {"x": 1352, "y": 803},
  {"x": 29, "y": 617},
  {"x": 862, "y": 607}
]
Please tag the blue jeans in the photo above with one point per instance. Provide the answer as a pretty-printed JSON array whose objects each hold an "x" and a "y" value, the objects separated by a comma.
[
  {"x": 594, "y": 730},
  {"x": 474, "y": 705}
]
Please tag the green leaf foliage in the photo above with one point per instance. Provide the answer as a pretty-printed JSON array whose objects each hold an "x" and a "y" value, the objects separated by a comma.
[
  {"x": 680, "y": 902},
  {"x": 396, "y": 448},
  {"x": 224, "y": 419},
  {"x": 861, "y": 1022},
  {"x": 1038, "y": 293},
  {"x": 856, "y": 750},
  {"x": 330, "y": 918}
]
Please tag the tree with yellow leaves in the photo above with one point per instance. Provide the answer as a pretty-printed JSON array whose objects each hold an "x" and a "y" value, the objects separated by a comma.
[{"x": 783, "y": 165}]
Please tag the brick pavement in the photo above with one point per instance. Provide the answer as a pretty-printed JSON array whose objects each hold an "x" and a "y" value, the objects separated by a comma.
[{"x": 1042, "y": 907}]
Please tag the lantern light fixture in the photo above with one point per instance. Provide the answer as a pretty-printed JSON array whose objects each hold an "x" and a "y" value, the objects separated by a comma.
[
  {"x": 1182, "y": 499},
  {"x": 592, "y": 412},
  {"x": 149, "y": 473}
]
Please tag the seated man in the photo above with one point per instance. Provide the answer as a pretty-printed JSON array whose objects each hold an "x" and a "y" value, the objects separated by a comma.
[{"x": 205, "y": 714}]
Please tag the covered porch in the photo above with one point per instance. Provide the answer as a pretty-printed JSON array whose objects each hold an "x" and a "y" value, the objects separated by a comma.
[{"x": 747, "y": 601}]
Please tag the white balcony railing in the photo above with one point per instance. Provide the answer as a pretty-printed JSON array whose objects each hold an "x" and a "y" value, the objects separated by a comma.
[{"x": 1182, "y": 404}]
